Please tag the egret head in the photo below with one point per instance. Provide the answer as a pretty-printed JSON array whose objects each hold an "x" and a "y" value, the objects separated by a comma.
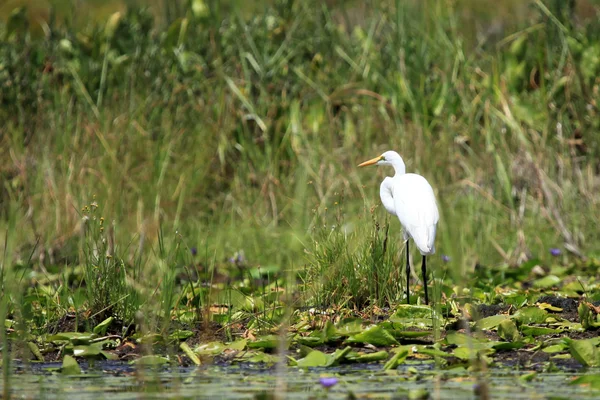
[{"x": 387, "y": 158}]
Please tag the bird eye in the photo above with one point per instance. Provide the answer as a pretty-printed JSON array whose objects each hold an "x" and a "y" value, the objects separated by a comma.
[{"x": 382, "y": 158}]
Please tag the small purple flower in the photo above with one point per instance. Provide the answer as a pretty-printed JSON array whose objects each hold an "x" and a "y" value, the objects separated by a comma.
[
  {"x": 555, "y": 252},
  {"x": 445, "y": 258},
  {"x": 328, "y": 382},
  {"x": 194, "y": 251}
]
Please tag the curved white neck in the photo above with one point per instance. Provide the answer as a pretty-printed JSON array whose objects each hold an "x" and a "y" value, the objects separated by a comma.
[{"x": 399, "y": 167}]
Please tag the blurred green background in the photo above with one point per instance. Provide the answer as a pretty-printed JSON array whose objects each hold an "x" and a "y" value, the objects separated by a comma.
[{"x": 237, "y": 126}]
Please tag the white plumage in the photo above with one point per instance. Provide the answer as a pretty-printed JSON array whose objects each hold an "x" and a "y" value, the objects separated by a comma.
[{"x": 409, "y": 197}]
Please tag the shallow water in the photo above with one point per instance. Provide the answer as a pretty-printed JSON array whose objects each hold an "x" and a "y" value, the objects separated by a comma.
[{"x": 118, "y": 380}]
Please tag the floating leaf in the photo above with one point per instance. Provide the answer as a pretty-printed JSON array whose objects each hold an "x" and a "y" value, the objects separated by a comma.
[
  {"x": 585, "y": 352},
  {"x": 491, "y": 322},
  {"x": 537, "y": 330},
  {"x": 592, "y": 380},
  {"x": 211, "y": 348},
  {"x": 531, "y": 315},
  {"x": 151, "y": 339},
  {"x": 259, "y": 357},
  {"x": 408, "y": 315},
  {"x": 188, "y": 352},
  {"x": 35, "y": 350},
  {"x": 151, "y": 361},
  {"x": 508, "y": 345},
  {"x": 238, "y": 345},
  {"x": 587, "y": 316},
  {"x": 555, "y": 348},
  {"x": 546, "y": 282},
  {"x": 508, "y": 331},
  {"x": 315, "y": 358},
  {"x": 375, "y": 335},
  {"x": 528, "y": 377},
  {"x": 73, "y": 337},
  {"x": 181, "y": 335},
  {"x": 101, "y": 328},
  {"x": 371, "y": 357},
  {"x": 349, "y": 326},
  {"x": 89, "y": 351},
  {"x": 70, "y": 366},
  {"x": 396, "y": 360},
  {"x": 338, "y": 356},
  {"x": 264, "y": 342}
]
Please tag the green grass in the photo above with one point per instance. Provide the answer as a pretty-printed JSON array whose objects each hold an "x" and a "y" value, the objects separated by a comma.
[{"x": 229, "y": 131}]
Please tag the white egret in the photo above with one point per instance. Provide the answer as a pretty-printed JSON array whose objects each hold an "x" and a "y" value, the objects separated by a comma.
[{"x": 410, "y": 198}]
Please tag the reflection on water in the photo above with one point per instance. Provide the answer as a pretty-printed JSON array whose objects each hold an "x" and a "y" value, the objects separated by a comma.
[{"x": 117, "y": 380}]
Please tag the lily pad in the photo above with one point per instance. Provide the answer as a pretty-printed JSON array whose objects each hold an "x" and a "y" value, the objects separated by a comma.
[
  {"x": 531, "y": 315},
  {"x": 315, "y": 358},
  {"x": 375, "y": 335},
  {"x": 370, "y": 357},
  {"x": 396, "y": 360},
  {"x": 546, "y": 282},
  {"x": 70, "y": 366},
  {"x": 181, "y": 335},
  {"x": 188, "y": 352},
  {"x": 508, "y": 331},
  {"x": 585, "y": 351},
  {"x": 101, "y": 328},
  {"x": 210, "y": 349},
  {"x": 537, "y": 330},
  {"x": 267, "y": 342},
  {"x": 151, "y": 361},
  {"x": 491, "y": 322},
  {"x": 413, "y": 316},
  {"x": 73, "y": 337},
  {"x": 349, "y": 327}
]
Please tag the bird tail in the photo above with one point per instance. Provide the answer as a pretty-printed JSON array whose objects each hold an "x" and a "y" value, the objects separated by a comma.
[{"x": 424, "y": 237}]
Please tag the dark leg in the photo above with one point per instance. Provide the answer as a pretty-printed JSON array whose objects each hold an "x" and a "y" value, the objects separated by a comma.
[
  {"x": 407, "y": 274},
  {"x": 424, "y": 270}
]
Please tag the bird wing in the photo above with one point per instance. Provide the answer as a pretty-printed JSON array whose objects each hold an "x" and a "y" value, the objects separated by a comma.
[{"x": 416, "y": 209}]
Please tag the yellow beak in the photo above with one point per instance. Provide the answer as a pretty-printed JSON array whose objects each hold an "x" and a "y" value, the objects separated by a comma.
[{"x": 370, "y": 162}]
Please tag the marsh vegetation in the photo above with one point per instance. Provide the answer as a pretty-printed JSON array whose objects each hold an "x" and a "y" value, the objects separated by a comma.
[{"x": 179, "y": 187}]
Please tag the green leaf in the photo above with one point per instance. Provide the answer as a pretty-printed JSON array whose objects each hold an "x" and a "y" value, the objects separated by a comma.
[
  {"x": 531, "y": 315},
  {"x": 101, "y": 328},
  {"x": 315, "y": 358},
  {"x": 181, "y": 335},
  {"x": 528, "y": 377},
  {"x": 259, "y": 357},
  {"x": 264, "y": 342},
  {"x": 338, "y": 356},
  {"x": 70, "y": 366},
  {"x": 73, "y": 337},
  {"x": 375, "y": 335},
  {"x": 89, "y": 351},
  {"x": 592, "y": 380},
  {"x": 555, "y": 348},
  {"x": 585, "y": 352},
  {"x": 396, "y": 360},
  {"x": 508, "y": 331},
  {"x": 413, "y": 316},
  {"x": 588, "y": 318},
  {"x": 491, "y": 322},
  {"x": 238, "y": 345},
  {"x": 370, "y": 357},
  {"x": 546, "y": 282},
  {"x": 537, "y": 330},
  {"x": 210, "y": 349},
  {"x": 349, "y": 326},
  {"x": 151, "y": 361},
  {"x": 35, "y": 350},
  {"x": 188, "y": 352},
  {"x": 508, "y": 345}
]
